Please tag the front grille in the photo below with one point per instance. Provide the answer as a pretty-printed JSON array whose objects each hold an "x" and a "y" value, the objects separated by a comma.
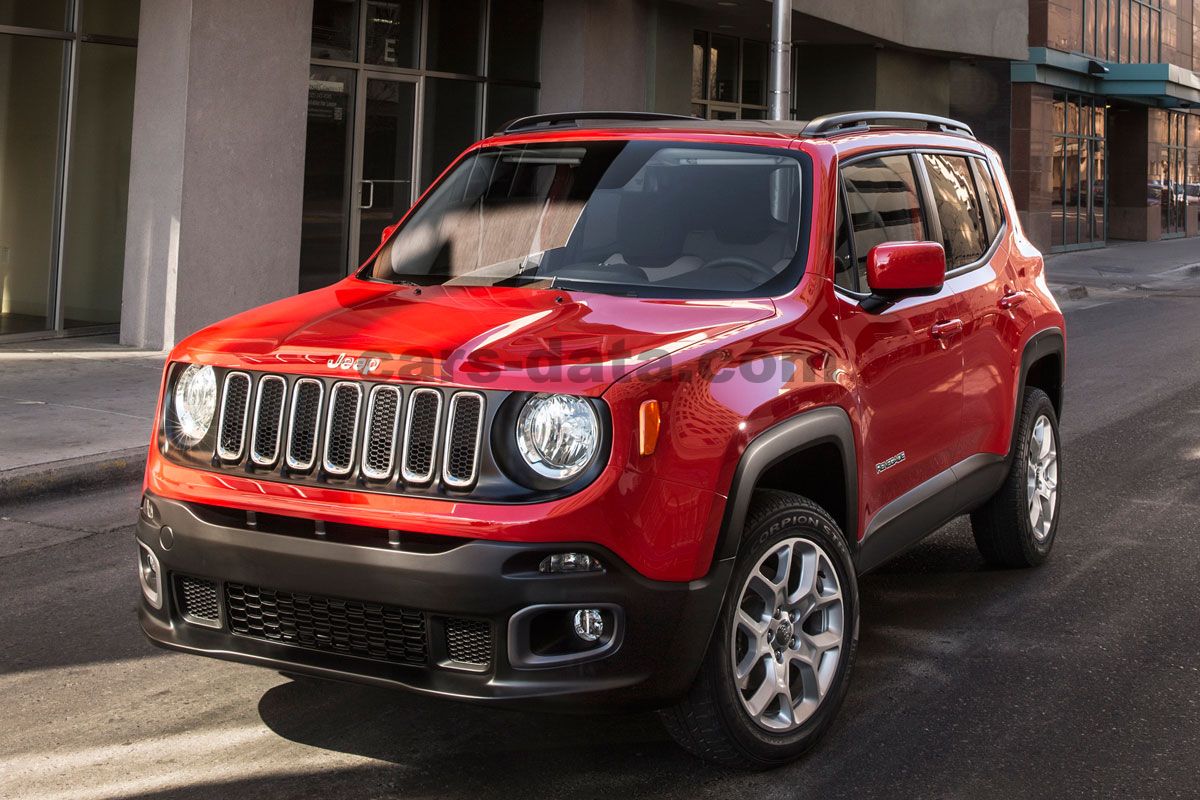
[
  {"x": 383, "y": 426},
  {"x": 348, "y": 627},
  {"x": 469, "y": 641},
  {"x": 424, "y": 417},
  {"x": 198, "y": 601},
  {"x": 341, "y": 428},
  {"x": 268, "y": 419},
  {"x": 370, "y": 435},
  {"x": 462, "y": 438},
  {"x": 235, "y": 402},
  {"x": 306, "y": 416}
]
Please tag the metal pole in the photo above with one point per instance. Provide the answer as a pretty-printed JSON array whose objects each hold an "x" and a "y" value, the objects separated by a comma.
[{"x": 781, "y": 60}]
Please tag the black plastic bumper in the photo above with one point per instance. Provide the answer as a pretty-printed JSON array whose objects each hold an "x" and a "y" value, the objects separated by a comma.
[{"x": 663, "y": 629}]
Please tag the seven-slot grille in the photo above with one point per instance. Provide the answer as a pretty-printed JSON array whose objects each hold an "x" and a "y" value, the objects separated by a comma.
[{"x": 381, "y": 430}]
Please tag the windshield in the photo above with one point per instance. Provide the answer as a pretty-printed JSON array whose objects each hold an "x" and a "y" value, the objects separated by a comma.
[{"x": 629, "y": 217}]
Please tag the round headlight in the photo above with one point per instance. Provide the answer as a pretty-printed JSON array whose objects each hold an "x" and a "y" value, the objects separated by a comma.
[
  {"x": 195, "y": 403},
  {"x": 557, "y": 435}
]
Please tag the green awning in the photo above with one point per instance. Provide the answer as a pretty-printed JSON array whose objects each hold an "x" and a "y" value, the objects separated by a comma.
[{"x": 1153, "y": 84}]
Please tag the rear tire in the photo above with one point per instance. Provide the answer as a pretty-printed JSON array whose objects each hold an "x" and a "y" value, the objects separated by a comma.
[
  {"x": 779, "y": 662},
  {"x": 1016, "y": 527}
]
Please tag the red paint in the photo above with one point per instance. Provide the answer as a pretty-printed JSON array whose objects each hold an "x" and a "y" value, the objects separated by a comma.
[
  {"x": 904, "y": 269},
  {"x": 909, "y": 378}
]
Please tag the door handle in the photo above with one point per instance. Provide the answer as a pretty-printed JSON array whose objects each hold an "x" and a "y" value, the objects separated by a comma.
[
  {"x": 370, "y": 196},
  {"x": 1012, "y": 299},
  {"x": 946, "y": 330}
]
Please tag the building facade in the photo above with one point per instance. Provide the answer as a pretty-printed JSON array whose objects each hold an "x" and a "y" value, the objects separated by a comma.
[
  {"x": 1106, "y": 129},
  {"x": 259, "y": 148}
]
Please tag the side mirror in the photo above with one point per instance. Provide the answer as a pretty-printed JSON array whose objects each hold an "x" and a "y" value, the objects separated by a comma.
[
  {"x": 387, "y": 232},
  {"x": 896, "y": 270}
]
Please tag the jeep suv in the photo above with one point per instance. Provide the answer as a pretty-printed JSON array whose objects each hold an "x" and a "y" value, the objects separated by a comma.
[{"x": 614, "y": 418}]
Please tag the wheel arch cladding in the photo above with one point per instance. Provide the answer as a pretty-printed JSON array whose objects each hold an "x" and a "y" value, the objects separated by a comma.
[{"x": 795, "y": 455}]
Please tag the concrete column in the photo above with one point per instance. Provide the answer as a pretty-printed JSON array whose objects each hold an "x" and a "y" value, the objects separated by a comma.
[
  {"x": 595, "y": 55},
  {"x": 217, "y": 168}
]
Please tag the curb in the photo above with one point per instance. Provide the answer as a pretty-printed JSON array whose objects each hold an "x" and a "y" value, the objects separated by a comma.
[
  {"x": 85, "y": 472},
  {"x": 1063, "y": 292}
]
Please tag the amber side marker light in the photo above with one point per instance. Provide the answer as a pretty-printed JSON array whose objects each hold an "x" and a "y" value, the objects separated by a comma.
[{"x": 648, "y": 429}]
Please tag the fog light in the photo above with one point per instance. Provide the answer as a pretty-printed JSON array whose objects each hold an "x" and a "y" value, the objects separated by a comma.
[
  {"x": 589, "y": 625},
  {"x": 150, "y": 575},
  {"x": 570, "y": 562}
]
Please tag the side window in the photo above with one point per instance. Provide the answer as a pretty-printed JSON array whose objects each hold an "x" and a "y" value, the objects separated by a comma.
[
  {"x": 884, "y": 205},
  {"x": 844, "y": 272},
  {"x": 963, "y": 233},
  {"x": 990, "y": 194}
]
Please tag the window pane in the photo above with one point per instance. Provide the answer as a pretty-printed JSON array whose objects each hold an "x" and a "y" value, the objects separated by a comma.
[
  {"x": 110, "y": 17},
  {"x": 29, "y": 117},
  {"x": 454, "y": 36},
  {"x": 393, "y": 33},
  {"x": 990, "y": 198},
  {"x": 884, "y": 205},
  {"x": 723, "y": 68},
  {"x": 506, "y": 103},
  {"x": 324, "y": 231},
  {"x": 515, "y": 39},
  {"x": 50, "y": 14},
  {"x": 450, "y": 124},
  {"x": 754, "y": 81},
  {"x": 98, "y": 186},
  {"x": 1071, "y": 190},
  {"x": 963, "y": 233},
  {"x": 845, "y": 274},
  {"x": 387, "y": 159},
  {"x": 699, "y": 65},
  {"x": 335, "y": 29}
]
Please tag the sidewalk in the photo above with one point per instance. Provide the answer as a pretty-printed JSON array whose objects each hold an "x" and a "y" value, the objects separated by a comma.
[
  {"x": 74, "y": 412},
  {"x": 1168, "y": 265}
]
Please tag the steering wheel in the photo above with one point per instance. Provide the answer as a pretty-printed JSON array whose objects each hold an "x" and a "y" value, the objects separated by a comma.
[{"x": 755, "y": 271}]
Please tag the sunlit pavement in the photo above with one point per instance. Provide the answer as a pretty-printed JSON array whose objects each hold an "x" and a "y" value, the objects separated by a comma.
[{"x": 1080, "y": 679}]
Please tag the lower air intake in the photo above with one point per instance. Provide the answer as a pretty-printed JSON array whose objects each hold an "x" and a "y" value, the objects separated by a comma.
[
  {"x": 469, "y": 641},
  {"x": 198, "y": 601},
  {"x": 349, "y": 627}
]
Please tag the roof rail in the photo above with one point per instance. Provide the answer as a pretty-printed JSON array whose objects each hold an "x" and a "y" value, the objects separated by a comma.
[
  {"x": 862, "y": 120},
  {"x": 576, "y": 117}
]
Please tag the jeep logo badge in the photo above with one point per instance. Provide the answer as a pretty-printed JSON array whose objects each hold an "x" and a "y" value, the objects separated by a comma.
[{"x": 362, "y": 365}]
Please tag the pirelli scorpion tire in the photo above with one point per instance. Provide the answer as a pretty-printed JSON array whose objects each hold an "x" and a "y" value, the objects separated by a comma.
[
  {"x": 780, "y": 658},
  {"x": 1016, "y": 527}
]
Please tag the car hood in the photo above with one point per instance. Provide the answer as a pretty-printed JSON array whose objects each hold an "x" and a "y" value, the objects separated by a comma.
[{"x": 491, "y": 337}]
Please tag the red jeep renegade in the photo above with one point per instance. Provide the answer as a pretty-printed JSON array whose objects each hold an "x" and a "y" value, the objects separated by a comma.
[{"x": 614, "y": 418}]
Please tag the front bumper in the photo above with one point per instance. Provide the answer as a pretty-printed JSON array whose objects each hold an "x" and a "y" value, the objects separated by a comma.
[{"x": 650, "y": 660}]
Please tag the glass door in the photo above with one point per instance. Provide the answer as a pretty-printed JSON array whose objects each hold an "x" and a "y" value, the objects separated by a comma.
[{"x": 385, "y": 156}]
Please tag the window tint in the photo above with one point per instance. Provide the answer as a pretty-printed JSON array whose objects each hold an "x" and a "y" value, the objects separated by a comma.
[
  {"x": 884, "y": 205},
  {"x": 844, "y": 274},
  {"x": 991, "y": 199},
  {"x": 963, "y": 234},
  {"x": 646, "y": 218}
]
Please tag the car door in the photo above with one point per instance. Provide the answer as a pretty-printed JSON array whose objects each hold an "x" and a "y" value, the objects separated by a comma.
[
  {"x": 970, "y": 217},
  {"x": 908, "y": 357}
]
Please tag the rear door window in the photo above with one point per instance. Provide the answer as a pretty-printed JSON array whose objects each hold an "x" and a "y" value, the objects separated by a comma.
[
  {"x": 884, "y": 204},
  {"x": 963, "y": 232}
]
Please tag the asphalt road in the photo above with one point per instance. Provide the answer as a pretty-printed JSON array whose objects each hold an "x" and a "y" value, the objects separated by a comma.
[{"x": 1079, "y": 679}]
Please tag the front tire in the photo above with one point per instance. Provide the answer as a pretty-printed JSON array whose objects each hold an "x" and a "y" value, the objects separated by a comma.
[
  {"x": 779, "y": 662},
  {"x": 1016, "y": 527}
]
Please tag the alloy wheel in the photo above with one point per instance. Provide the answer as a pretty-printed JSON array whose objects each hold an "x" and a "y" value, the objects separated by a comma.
[
  {"x": 787, "y": 637},
  {"x": 1041, "y": 478}
]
